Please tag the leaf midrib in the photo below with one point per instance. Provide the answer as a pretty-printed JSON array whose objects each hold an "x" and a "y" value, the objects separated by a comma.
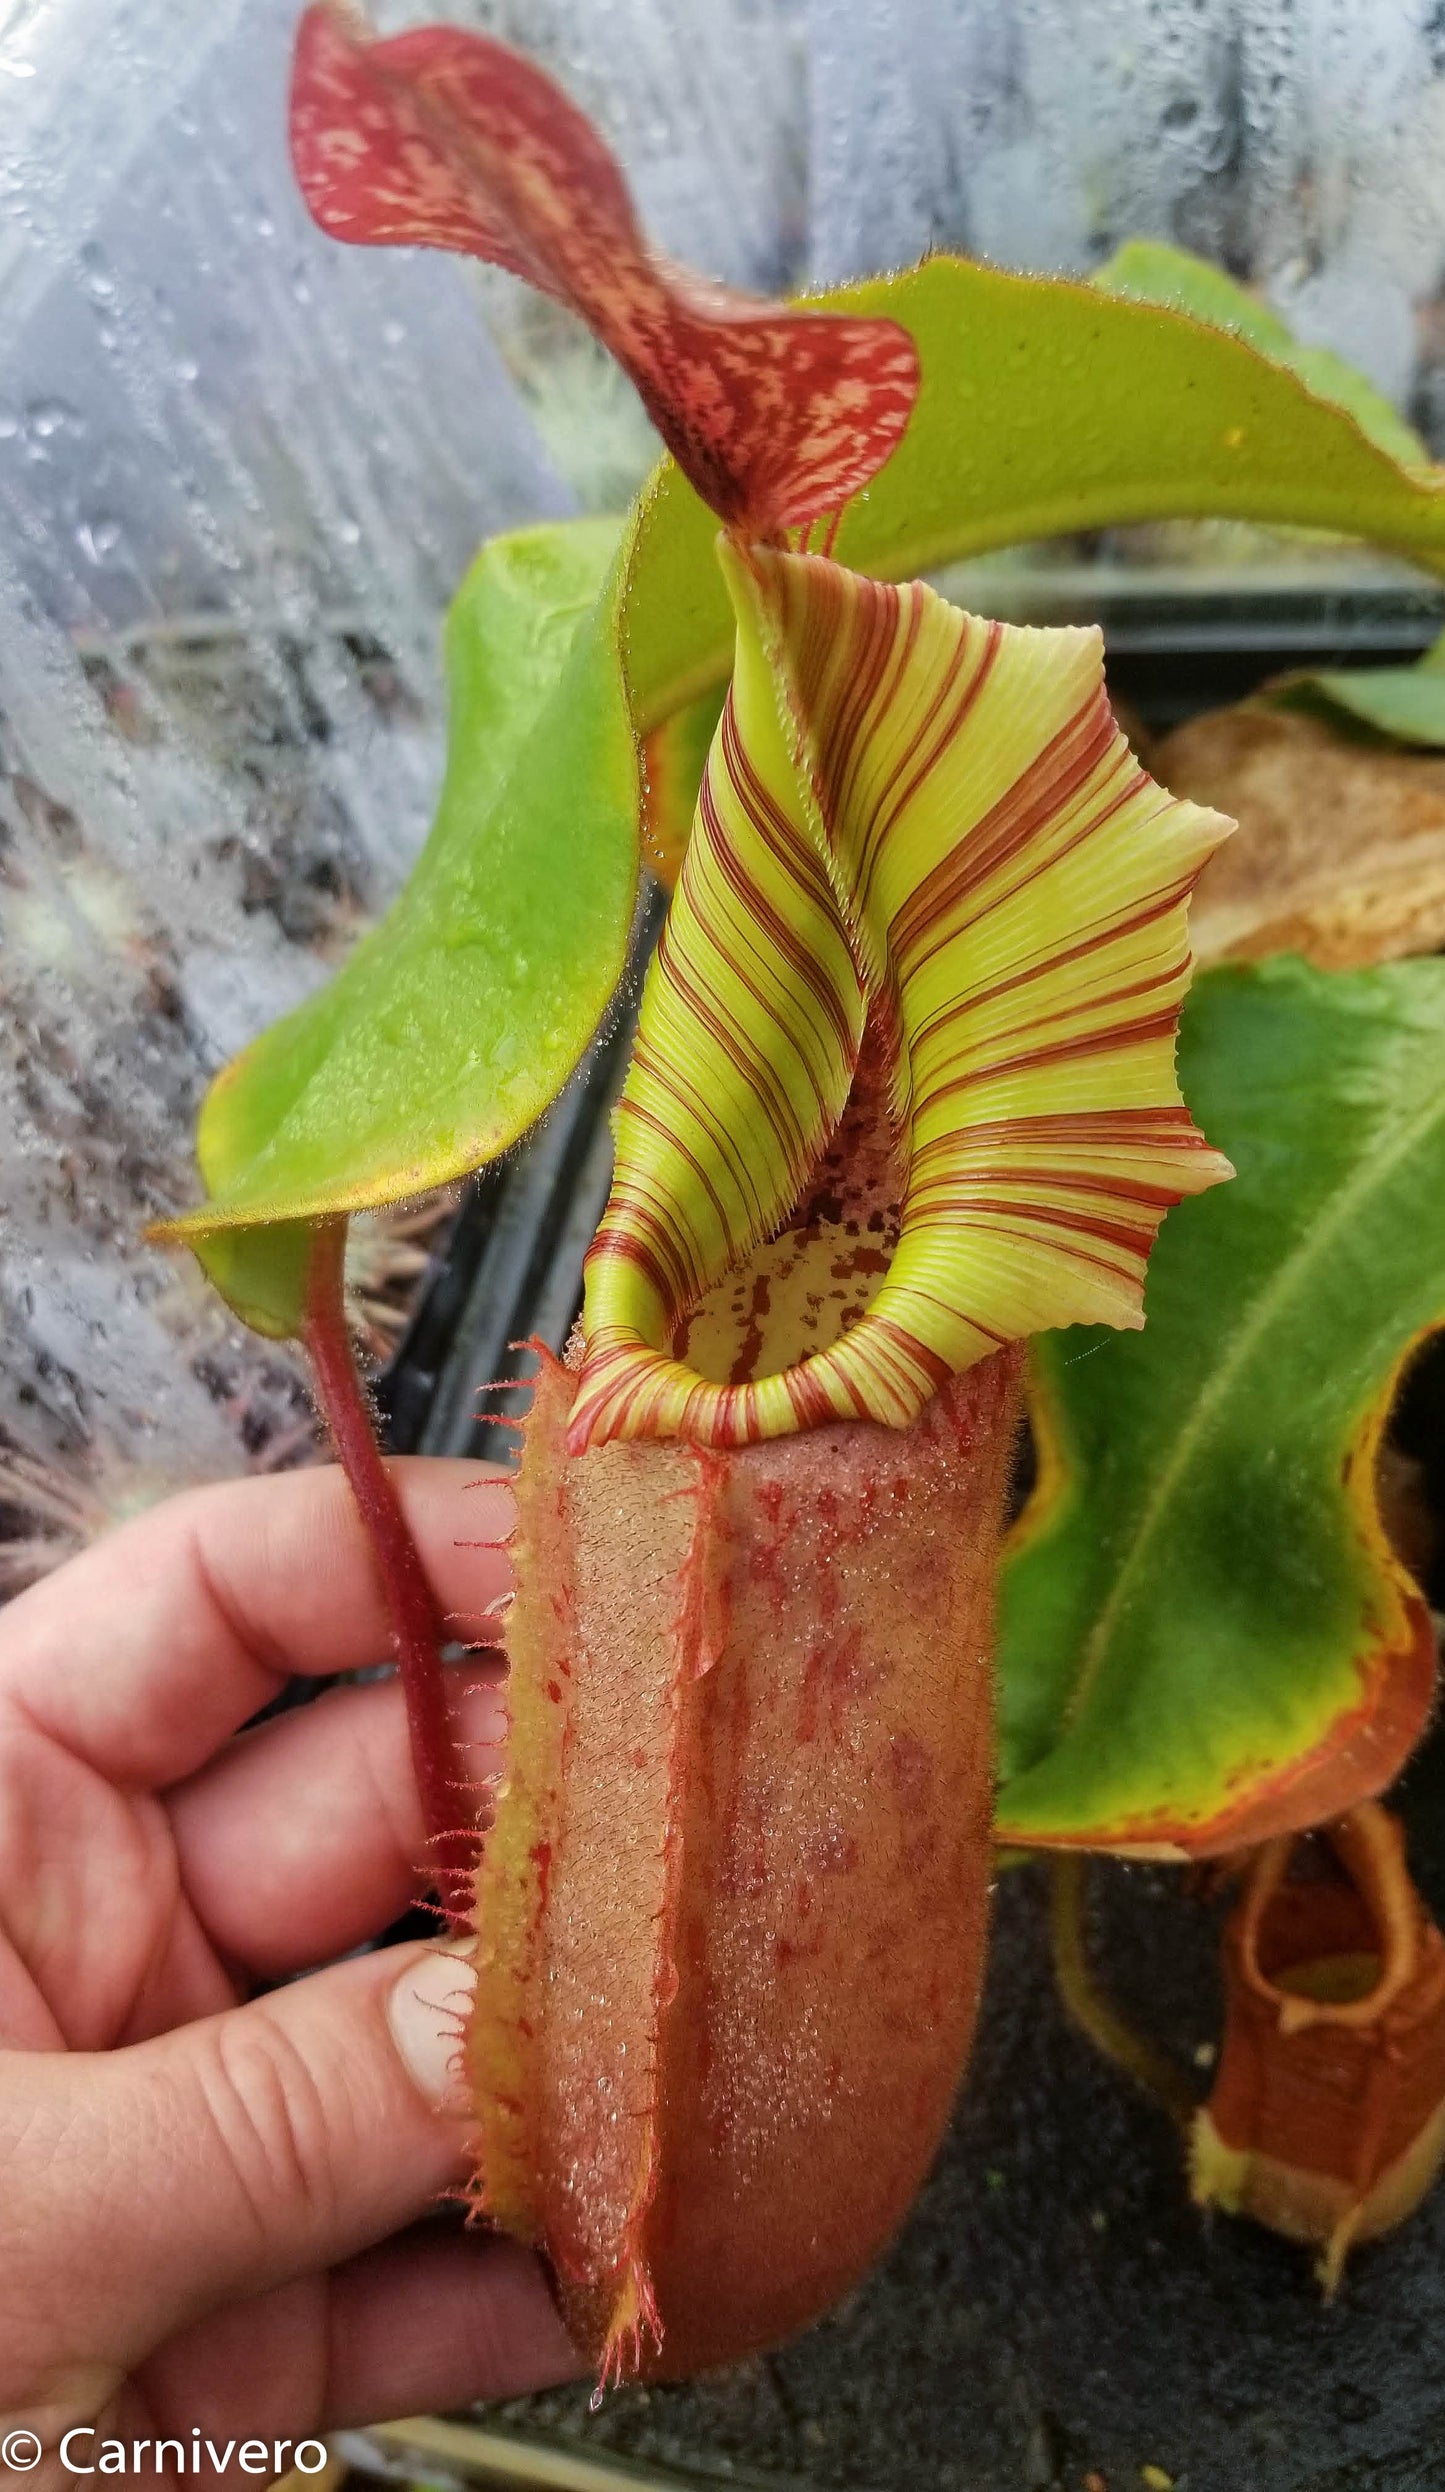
[{"x": 1373, "y": 1175}]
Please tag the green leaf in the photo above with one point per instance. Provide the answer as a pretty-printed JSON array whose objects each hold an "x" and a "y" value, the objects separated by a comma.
[
  {"x": 261, "y": 1272},
  {"x": 1406, "y": 703},
  {"x": 1158, "y": 272},
  {"x": 453, "y": 1025},
  {"x": 915, "y": 814},
  {"x": 1204, "y": 1636}
]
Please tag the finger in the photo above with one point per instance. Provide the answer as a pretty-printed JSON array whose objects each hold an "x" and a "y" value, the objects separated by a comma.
[
  {"x": 305, "y": 1836},
  {"x": 433, "y": 2318},
  {"x": 147, "y": 2187},
  {"x": 426, "y": 2323},
  {"x": 144, "y": 1654}
]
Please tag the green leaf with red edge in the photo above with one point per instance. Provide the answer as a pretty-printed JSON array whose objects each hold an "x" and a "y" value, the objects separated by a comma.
[{"x": 1205, "y": 1638}]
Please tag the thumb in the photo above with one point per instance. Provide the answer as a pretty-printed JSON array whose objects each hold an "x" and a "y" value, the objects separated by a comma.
[{"x": 147, "y": 2186}]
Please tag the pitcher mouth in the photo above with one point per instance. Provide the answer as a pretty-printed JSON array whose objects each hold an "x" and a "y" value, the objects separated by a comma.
[{"x": 929, "y": 827}]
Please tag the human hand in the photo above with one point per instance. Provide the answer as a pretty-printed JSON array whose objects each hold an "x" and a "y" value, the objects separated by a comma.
[{"x": 206, "y": 2195}]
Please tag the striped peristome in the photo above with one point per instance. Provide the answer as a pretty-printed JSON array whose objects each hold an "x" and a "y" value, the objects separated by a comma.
[{"x": 932, "y": 820}]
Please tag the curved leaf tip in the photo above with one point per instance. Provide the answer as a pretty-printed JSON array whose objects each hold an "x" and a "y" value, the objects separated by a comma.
[
  {"x": 918, "y": 817},
  {"x": 438, "y": 136}
]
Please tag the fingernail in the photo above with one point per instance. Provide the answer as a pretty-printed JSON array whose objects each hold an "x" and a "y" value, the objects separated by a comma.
[{"x": 427, "y": 2012}]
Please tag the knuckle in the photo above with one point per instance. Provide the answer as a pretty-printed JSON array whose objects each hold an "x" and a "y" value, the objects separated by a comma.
[{"x": 269, "y": 2117}]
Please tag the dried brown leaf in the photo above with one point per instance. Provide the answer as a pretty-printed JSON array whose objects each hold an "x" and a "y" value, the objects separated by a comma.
[{"x": 1340, "y": 850}]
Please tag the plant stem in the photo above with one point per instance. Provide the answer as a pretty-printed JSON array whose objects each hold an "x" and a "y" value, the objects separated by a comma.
[
  {"x": 416, "y": 1626},
  {"x": 1151, "y": 2068}
]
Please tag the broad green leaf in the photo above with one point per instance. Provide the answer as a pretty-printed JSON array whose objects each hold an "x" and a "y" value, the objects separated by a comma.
[
  {"x": 911, "y": 812},
  {"x": 1406, "y": 703},
  {"x": 1204, "y": 1636},
  {"x": 453, "y": 1025},
  {"x": 1159, "y": 272}
]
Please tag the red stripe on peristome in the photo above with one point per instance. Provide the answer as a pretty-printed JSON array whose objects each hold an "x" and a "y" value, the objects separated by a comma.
[
  {"x": 769, "y": 825},
  {"x": 632, "y": 1110},
  {"x": 1045, "y": 963},
  {"x": 885, "y": 822},
  {"x": 1096, "y": 1042},
  {"x": 1107, "y": 801},
  {"x": 625, "y": 1246},
  {"x": 888, "y": 1335},
  {"x": 1097, "y": 1003},
  {"x": 736, "y": 1047},
  {"x": 637, "y": 1231},
  {"x": 1031, "y": 1223},
  {"x": 1079, "y": 1126},
  {"x": 858, "y": 747},
  {"x": 1155, "y": 1198},
  {"x": 1044, "y": 789},
  {"x": 870, "y": 683},
  {"x": 970, "y": 1202},
  {"x": 1039, "y": 867},
  {"x": 824, "y": 628},
  {"x": 812, "y": 1404}
]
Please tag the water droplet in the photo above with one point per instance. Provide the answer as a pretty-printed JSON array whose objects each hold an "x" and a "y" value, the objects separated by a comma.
[
  {"x": 98, "y": 538},
  {"x": 97, "y": 276},
  {"x": 45, "y": 417}
]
